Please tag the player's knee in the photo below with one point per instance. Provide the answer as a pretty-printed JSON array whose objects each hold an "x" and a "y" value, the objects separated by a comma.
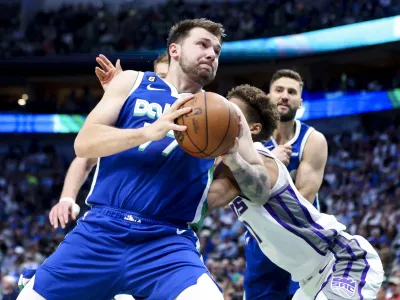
[
  {"x": 205, "y": 288},
  {"x": 28, "y": 293}
]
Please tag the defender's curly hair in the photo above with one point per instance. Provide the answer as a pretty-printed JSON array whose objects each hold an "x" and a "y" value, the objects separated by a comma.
[{"x": 259, "y": 109}]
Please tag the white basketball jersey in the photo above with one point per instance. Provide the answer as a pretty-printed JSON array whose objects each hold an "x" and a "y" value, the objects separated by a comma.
[{"x": 289, "y": 229}]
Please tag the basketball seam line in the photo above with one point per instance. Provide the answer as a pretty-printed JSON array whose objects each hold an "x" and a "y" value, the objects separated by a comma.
[
  {"x": 188, "y": 135},
  {"x": 226, "y": 132}
]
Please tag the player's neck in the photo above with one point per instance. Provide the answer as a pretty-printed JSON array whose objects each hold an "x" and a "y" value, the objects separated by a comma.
[
  {"x": 285, "y": 132},
  {"x": 181, "y": 81}
]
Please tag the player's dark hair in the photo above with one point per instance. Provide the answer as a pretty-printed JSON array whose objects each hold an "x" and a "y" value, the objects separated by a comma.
[
  {"x": 182, "y": 29},
  {"x": 259, "y": 109},
  {"x": 288, "y": 74}
]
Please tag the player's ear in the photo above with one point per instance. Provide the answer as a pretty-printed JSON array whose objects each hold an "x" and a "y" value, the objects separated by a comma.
[
  {"x": 174, "y": 50},
  {"x": 255, "y": 128},
  {"x": 301, "y": 102}
]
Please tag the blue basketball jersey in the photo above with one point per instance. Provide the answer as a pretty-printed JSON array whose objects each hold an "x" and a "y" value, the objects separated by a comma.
[
  {"x": 302, "y": 132},
  {"x": 298, "y": 142},
  {"x": 156, "y": 179}
]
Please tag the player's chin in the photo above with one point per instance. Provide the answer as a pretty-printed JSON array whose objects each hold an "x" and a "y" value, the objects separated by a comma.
[
  {"x": 288, "y": 116},
  {"x": 205, "y": 77}
]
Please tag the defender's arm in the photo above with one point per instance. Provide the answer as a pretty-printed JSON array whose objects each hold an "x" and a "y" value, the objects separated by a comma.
[{"x": 311, "y": 169}]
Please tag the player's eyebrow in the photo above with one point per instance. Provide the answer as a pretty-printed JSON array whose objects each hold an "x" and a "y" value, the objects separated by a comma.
[{"x": 216, "y": 47}]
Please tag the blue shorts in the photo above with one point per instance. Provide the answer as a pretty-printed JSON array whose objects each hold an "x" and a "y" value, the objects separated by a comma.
[
  {"x": 263, "y": 280},
  {"x": 112, "y": 251}
]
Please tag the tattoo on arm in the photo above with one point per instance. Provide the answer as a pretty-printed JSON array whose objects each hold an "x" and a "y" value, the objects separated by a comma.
[{"x": 252, "y": 179}]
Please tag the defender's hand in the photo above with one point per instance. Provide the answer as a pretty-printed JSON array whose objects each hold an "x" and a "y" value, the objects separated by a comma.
[
  {"x": 107, "y": 71},
  {"x": 283, "y": 153}
]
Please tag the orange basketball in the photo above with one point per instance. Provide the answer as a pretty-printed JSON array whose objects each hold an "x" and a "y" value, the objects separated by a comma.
[{"x": 212, "y": 126}]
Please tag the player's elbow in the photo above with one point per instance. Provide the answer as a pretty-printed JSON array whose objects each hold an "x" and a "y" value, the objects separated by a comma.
[{"x": 82, "y": 147}]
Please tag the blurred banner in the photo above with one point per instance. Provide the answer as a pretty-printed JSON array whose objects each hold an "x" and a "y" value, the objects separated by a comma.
[
  {"x": 54, "y": 123},
  {"x": 331, "y": 105},
  {"x": 332, "y": 39},
  {"x": 344, "y": 104}
]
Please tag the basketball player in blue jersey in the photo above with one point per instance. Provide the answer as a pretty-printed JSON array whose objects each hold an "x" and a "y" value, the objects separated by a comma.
[
  {"x": 311, "y": 246},
  {"x": 80, "y": 167},
  {"x": 304, "y": 151},
  {"x": 147, "y": 192}
]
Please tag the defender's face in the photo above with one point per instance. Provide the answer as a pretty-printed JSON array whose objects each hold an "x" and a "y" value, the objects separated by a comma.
[
  {"x": 161, "y": 69},
  {"x": 285, "y": 93},
  {"x": 199, "y": 56}
]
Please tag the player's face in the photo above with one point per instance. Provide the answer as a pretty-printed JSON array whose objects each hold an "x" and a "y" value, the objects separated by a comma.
[
  {"x": 161, "y": 69},
  {"x": 285, "y": 93},
  {"x": 199, "y": 56}
]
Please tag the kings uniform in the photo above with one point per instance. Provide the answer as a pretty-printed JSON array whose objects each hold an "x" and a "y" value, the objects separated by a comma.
[
  {"x": 263, "y": 279},
  {"x": 136, "y": 239}
]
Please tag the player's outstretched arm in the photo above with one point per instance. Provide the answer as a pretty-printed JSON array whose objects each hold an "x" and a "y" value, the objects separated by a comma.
[
  {"x": 310, "y": 173},
  {"x": 76, "y": 176},
  {"x": 247, "y": 166},
  {"x": 98, "y": 136}
]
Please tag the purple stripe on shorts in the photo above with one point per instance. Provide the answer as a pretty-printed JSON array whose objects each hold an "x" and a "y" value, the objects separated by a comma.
[
  {"x": 364, "y": 273},
  {"x": 292, "y": 230}
]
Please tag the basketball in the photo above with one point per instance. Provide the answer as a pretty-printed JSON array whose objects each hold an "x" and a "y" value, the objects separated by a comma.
[{"x": 212, "y": 126}]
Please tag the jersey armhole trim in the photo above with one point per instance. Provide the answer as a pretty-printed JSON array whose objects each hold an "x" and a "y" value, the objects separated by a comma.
[
  {"x": 138, "y": 81},
  {"x": 304, "y": 141}
]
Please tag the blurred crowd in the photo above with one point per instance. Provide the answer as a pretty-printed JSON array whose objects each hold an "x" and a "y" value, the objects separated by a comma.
[
  {"x": 87, "y": 28},
  {"x": 361, "y": 188}
]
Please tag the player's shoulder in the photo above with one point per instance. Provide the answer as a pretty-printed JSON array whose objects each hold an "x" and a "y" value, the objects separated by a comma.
[
  {"x": 316, "y": 145},
  {"x": 124, "y": 78},
  {"x": 317, "y": 137}
]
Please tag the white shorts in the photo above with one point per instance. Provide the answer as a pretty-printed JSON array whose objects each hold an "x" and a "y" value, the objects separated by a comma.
[{"x": 355, "y": 272}]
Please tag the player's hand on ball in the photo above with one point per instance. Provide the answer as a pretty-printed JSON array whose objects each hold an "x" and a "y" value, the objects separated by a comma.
[
  {"x": 61, "y": 211},
  {"x": 107, "y": 71},
  {"x": 165, "y": 123},
  {"x": 283, "y": 153},
  {"x": 230, "y": 155}
]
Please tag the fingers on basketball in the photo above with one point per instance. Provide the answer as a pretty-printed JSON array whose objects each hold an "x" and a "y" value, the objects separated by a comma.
[{"x": 180, "y": 112}]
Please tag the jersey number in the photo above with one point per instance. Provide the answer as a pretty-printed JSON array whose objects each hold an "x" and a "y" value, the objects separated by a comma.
[
  {"x": 239, "y": 207},
  {"x": 168, "y": 149}
]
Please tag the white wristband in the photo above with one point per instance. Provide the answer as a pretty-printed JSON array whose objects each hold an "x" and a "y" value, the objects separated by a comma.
[{"x": 67, "y": 199}]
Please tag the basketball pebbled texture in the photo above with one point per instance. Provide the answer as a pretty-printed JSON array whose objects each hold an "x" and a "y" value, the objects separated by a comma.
[{"x": 212, "y": 126}]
